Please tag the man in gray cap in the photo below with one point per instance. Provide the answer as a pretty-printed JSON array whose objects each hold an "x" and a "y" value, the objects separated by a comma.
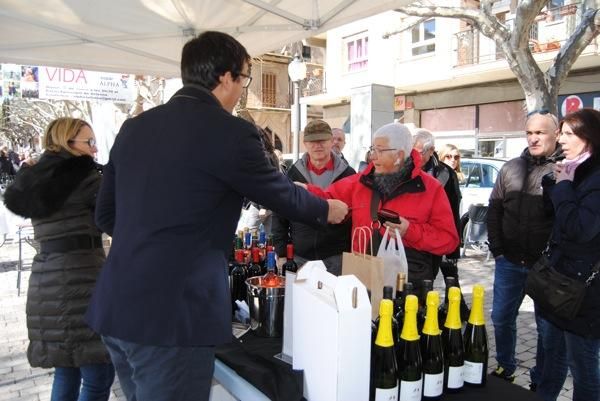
[{"x": 319, "y": 166}]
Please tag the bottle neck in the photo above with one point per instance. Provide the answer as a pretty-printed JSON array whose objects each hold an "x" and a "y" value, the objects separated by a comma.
[
  {"x": 453, "y": 317},
  {"x": 290, "y": 252},
  {"x": 384, "y": 331},
  {"x": 409, "y": 329},
  {"x": 431, "y": 326},
  {"x": 476, "y": 318}
]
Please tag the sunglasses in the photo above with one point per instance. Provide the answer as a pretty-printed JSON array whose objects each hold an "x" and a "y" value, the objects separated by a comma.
[
  {"x": 450, "y": 157},
  {"x": 91, "y": 142}
]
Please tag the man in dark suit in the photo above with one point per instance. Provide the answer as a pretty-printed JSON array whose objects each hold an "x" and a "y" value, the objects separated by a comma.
[{"x": 162, "y": 299}]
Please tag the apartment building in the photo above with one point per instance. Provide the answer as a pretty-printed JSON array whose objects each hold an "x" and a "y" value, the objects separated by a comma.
[{"x": 444, "y": 75}]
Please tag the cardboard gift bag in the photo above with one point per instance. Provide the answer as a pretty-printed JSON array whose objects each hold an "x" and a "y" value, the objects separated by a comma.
[{"x": 368, "y": 269}]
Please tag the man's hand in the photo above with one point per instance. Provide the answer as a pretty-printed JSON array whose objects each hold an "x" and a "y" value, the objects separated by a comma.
[
  {"x": 301, "y": 184},
  {"x": 337, "y": 211}
]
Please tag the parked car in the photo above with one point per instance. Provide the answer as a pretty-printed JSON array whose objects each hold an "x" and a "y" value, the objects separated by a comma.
[{"x": 480, "y": 176}]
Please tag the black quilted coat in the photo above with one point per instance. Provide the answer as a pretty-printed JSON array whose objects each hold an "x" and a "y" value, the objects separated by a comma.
[{"x": 59, "y": 194}]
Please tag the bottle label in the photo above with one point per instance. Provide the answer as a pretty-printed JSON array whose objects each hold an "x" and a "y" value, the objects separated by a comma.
[
  {"x": 411, "y": 391},
  {"x": 473, "y": 372},
  {"x": 455, "y": 377},
  {"x": 433, "y": 385},
  {"x": 386, "y": 394}
]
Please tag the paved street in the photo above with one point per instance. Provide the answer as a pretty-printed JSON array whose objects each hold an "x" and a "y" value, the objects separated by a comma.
[{"x": 19, "y": 382}]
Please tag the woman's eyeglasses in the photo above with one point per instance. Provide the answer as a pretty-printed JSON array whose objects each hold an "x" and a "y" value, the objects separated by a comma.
[
  {"x": 450, "y": 157},
  {"x": 378, "y": 152},
  {"x": 91, "y": 142}
]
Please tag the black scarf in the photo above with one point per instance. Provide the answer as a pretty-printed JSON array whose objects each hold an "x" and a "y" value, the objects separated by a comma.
[{"x": 387, "y": 183}]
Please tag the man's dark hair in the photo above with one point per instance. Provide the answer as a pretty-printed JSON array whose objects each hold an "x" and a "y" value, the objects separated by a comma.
[
  {"x": 585, "y": 123},
  {"x": 208, "y": 56}
]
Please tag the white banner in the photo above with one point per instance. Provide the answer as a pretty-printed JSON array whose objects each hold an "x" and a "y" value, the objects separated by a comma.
[{"x": 73, "y": 84}]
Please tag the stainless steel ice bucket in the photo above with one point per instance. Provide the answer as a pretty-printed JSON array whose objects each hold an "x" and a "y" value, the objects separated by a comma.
[{"x": 266, "y": 307}]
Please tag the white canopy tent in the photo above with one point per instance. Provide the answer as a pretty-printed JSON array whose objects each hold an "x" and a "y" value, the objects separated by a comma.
[{"x": 146, "y": 36}]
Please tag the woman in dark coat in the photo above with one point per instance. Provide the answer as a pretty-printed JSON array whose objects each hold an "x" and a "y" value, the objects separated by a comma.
[
  {"x": 58, "y": 194},
  {"x": 574, "y": 344}
]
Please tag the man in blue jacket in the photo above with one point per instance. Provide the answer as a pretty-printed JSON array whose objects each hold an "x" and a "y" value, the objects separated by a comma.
[{"x": 162, "y": 302}]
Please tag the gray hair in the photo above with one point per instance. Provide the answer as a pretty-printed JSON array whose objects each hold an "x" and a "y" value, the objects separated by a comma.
[
  {"x": 425, "y": 137},
  {"x": 398, "y": 135}
]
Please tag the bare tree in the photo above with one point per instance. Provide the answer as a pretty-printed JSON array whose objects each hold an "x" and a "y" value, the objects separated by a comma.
[{"x": 540, "y": 88}]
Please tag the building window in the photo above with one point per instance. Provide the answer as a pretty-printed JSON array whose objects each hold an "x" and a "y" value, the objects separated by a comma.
[
  {"x": 269, "y": 89},
  {"x": 357, "y": 52},
  {"x": 423, "y": 38}
]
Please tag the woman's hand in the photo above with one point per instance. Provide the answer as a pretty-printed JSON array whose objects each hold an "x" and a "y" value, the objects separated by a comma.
[
  {"x": 560, "y": 173},
  {"x": 402, "y": 227}
]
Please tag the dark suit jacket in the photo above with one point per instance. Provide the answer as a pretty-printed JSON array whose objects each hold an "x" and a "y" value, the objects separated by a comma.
[{"x": 171, "y": 197}]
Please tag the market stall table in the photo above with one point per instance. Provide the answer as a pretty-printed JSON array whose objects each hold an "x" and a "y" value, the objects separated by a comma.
[{"x": 248, "y": 370}]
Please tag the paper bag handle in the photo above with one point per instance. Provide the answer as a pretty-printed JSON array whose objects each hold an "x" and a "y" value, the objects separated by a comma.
[{"x": 362, "y": 239}]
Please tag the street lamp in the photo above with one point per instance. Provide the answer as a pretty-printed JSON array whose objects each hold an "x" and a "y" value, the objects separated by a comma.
[{"x": 297, "y": 72}]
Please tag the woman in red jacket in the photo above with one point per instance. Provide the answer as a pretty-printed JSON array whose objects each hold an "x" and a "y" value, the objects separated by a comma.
[{"x": 394, "y": 181}]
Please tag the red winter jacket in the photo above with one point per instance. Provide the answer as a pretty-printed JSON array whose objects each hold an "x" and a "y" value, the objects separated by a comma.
[{"x": 421, "y": 200}]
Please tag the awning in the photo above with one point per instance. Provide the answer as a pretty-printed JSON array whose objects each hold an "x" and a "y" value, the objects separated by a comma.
[{"x": 146, "y": 36}]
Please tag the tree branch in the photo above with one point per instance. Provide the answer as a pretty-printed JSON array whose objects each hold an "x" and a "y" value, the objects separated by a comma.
[
  {"x": 586, "y": 31},
  {"x": 525, "y": 14}
]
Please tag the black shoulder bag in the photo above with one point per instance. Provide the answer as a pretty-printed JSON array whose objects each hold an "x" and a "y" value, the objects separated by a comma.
[{"x": 554, "y": 292}]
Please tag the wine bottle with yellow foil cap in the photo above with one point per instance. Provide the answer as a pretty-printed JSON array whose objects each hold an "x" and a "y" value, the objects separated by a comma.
[
  {"x": 432, "y": 350},
  {"x": 452, "y": 339},
  {"x": 476, "y": 342},
  {"x": 384, "y": 371},
  {"x": 410, "y": 368}
]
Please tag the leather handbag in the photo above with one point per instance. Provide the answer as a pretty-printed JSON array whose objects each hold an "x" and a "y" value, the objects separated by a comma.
[{"x": 554, "y": 292}]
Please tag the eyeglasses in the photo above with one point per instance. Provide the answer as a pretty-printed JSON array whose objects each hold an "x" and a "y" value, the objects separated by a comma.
[
  {"x": 247, "y": 80},
  {"x": 378, "y": 152},
  {"x": 450, "y": 157},
  {"x": 91, "y": 142}
]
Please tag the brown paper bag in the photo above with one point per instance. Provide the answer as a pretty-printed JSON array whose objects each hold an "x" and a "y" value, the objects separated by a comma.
[{"x": 368, "y": 269}]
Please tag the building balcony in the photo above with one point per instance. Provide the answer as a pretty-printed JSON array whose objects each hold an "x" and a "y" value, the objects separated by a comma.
[{"x": 548, "y": 33}]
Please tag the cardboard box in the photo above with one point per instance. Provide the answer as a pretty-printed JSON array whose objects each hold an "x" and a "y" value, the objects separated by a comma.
[{"x": 332, "y": 334}]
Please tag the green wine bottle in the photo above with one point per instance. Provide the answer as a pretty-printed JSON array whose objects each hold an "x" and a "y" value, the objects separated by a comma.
[
  {"x": 432, "y": 350},
  {"x": 384, "y": 371},
  {"x": 476, "y": 343},
  {"x": 410, "y": 368},
  {"x": 454, "y": 351}
]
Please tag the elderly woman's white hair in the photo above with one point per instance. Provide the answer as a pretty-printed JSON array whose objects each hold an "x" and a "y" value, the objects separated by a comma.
[
  {"x": 424, "y": 137},
  {"x": 399, "y": 137}
]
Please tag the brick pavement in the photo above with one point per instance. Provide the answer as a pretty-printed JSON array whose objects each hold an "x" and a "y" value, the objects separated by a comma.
[{"x": 20, "y": 382}]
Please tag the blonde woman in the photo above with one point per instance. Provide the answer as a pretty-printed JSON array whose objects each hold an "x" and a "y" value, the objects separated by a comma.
[
  {"x": 58, "y": 193},
  {"x": 450, "y": 155}
]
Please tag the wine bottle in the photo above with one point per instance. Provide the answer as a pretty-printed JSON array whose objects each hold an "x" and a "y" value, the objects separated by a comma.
[
  {"x": 476, "y": 343},
  {"x": 399, "y": 315},
  {"x": 262, "y": 236},
  {"x": 410, "y": 369},
  {"x": 399, "y": 300},
  {"x": 427, "y": 286},
  {"x": 238, "y": 279},
  {"x": 270, "y": 279},
  {"x": 290, "y": 264},
  {"x": 255, "y": 269},
  {"x": 450, "y": 282},
  {"x": 384, "y": 372},
  {"x": 454, "y": 352},
  {"x": 432, "y": 350}
]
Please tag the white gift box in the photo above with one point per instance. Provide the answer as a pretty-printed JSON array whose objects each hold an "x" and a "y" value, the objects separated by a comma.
[{"x": 331, "y": 334}]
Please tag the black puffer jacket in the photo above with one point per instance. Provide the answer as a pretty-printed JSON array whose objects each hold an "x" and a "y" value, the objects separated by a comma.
[
  {"x": 59, "y": 194},
  {"x": 518, "y": 223},
  {"x": 311, "y": 243}
]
